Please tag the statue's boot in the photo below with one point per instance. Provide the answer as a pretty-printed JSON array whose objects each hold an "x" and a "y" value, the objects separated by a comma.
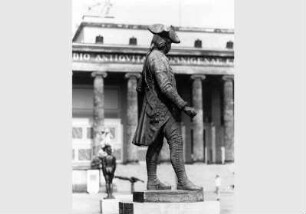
[
  {"x": 156, "y": 184},
  {"x": 188, "y": 185},
  {"x": 151, "y": 160},
  {"x": 177, "y": 161}
]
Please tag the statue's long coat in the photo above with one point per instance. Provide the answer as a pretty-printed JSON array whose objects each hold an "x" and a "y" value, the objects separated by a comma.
[{"x": 161, "y": 100}]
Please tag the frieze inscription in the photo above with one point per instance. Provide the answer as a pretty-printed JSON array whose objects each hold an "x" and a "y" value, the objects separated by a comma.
[{"x": 139, "y": 59}]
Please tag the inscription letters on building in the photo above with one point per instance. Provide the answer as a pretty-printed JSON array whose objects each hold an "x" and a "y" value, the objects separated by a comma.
[{"x": 139, "y": 58}]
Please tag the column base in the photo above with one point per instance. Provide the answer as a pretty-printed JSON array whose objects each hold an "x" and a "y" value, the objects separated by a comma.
[{"x": 198, "y": 161}]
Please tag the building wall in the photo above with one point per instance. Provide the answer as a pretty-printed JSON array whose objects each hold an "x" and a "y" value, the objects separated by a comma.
[
  {"x": 82, "y": 101},
  {"x": 121, "y": 37}
]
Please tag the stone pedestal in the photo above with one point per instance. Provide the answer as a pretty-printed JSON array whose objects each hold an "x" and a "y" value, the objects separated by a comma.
[
  {"x": 205, "y": 207},
  {"x": 174, "y": 196},
  {"x": 170, "y": 202},
  {"x": 111, "y": 206},
  {"x": 131, "y": 154},
  {"x": 93, "y": 181}
]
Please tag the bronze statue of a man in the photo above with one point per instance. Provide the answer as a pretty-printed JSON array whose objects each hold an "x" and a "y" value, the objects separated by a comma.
[{"x": 160, "y": 109}]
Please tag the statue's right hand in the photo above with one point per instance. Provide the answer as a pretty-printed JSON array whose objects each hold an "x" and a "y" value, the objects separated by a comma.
[{"x": 190, "y": 111}]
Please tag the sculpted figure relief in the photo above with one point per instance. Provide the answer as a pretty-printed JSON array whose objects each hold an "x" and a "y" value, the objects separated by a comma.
[{"x": 160, "y": 109}]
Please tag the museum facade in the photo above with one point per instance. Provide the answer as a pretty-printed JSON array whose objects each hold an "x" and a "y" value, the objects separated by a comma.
[{"x": 107, "y": 60}]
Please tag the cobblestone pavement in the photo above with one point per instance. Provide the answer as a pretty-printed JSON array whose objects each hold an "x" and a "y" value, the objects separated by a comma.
[{"x": 200, "y": 174}]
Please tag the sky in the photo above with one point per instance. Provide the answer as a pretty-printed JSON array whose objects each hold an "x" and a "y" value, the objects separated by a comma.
[{"x": 187, "y": 13}]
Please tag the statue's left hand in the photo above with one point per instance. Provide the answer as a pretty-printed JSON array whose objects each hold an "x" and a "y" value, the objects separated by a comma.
[{"x": 190, "y": 111}]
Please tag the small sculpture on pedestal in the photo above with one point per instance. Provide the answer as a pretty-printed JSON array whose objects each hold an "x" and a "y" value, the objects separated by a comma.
[{"x": 108, "y": 168}]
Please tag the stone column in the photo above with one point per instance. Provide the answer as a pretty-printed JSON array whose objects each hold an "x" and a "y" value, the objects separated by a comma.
[
  {"x": 213, "y": 143},
  {"x": 131, "y": 150},
  {"x": 228, "y": 116},
  {"x": 198, "y": 123},
  {"x": 98, "y": 113}
]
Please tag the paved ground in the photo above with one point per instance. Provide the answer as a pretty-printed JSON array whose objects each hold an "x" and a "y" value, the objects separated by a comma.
[
  {"x": 84, "y": 203},
  {"x": 200, "y": 174}
]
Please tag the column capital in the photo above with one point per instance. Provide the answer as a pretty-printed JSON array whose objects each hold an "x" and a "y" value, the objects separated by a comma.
[
  {"x": 198, "y": 76},
  {"x": 99, "y": 73},
  {"x": 228, "y": 77},
  {"x": 134, "y": 74}
]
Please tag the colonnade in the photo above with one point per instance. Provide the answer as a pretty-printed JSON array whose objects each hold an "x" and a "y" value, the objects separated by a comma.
[{"x": 130, "y": 151}]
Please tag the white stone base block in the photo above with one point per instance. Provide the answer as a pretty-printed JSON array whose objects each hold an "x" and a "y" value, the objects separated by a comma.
[
  {"x": 206, "y": 207},
  {"x": 111, "y": 206}
]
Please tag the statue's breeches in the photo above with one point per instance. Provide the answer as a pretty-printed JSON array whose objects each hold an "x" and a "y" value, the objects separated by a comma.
[{"x": 171, "y": 130}]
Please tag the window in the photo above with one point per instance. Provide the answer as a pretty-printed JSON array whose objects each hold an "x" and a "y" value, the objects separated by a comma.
[
  {"x": 133, "y": 41},
  {"x": 99, "y": 39},
  {"x": 77, "y": 133},
  {"x": 84, "y": 154},
  {"x": 197, "y": 43},
  {"x": 230, "y": 45}
]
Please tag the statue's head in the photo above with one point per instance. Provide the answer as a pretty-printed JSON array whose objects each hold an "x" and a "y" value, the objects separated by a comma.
[
  {"x": 163, "y": 37},
  {"x": 108, "y": 149}
]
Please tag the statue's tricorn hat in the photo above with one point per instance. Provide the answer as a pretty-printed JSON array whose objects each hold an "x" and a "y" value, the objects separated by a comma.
[{"x": 164, "y": 31}]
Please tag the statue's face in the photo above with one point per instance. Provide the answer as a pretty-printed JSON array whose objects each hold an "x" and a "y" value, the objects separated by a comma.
[
  {"x": 162, "y": 43},
  {"x": 167, "y": 45}
]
